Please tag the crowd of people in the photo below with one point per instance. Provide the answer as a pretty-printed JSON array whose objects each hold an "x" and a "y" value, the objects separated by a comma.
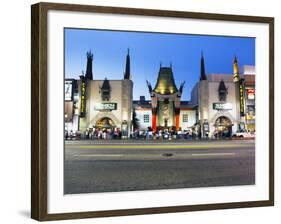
[
  {"x": 97, "y": 133},
  {"x": 116, "y": 133},
  {"x": 163, "y": 134},
  {"x": 149, "y": 134}
]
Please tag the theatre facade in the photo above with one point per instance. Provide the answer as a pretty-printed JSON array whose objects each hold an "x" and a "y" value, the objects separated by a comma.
[
  {"x": 99, "y": 104},
  {"x": 220, "y": 104},
  {"x": 226, "y": 102},
  {"x": 165, "y": 108}
]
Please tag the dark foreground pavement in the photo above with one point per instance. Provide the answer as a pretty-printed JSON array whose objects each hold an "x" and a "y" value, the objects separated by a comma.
[{"x": 138, "y": 165}]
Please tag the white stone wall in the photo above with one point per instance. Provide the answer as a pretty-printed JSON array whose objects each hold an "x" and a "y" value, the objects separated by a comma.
[
  {"x": 121, "y": 93},
  {"x": 140, "y": 116},
  {"x": 95, "y": 98},
  {"x": 184, "y": 125},
  {"x": 232, "y": 114},
  {"x": 194, "y": 94},
  {"x": 206, "y": 108},
  {"x": 191, "y": 119},
  {"x": 127, "y": 103},
  {"x": 204, "y": 100}
]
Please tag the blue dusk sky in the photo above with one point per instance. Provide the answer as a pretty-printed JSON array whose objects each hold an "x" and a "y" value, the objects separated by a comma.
[{"x": 147, "y": 50}]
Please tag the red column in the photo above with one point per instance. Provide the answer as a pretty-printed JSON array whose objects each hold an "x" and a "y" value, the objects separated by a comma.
[
  {"x": 177, "y": 121},
  {"x": 154, "y": 122},
  {"x": 177, "y": 113}
]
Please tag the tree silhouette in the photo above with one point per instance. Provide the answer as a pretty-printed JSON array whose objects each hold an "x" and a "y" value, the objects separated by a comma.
[{"x": 135, "y": 121}]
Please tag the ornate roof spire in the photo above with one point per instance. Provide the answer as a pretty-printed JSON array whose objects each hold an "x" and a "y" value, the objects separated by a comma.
[
  {"x": 235, "y": 70},
  {"x": 202, "y": 68},
  {"x": 181, "y": 86},
  {"x": 89, "y": 70},
  {"x": 127, "y": 74},
  {"x": 235, "y": 59},
  {"x": 149, "y": 86}
]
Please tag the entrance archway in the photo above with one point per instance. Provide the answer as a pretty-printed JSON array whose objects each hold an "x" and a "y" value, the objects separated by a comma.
[
  {"x": 223, "y": 127},
  {"x": 105, "y": 123}
]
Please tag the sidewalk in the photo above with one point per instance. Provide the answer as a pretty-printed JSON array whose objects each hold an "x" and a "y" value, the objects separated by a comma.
[{"x": 157, "y": 141}]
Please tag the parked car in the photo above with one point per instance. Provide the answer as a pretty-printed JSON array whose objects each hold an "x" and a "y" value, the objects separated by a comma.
[{"x": 245, "y": 134}]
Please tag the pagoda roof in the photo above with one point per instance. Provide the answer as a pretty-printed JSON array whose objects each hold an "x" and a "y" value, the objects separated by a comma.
[{"x": 165, "y": 82}]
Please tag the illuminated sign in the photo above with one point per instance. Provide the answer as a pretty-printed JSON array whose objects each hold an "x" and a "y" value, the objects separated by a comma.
[
  {"x": 222, "y": 106},
  {"x": 106, "y": 106},
  {"x": 251, "y": 94},
  {"x": 83, "y": 98},
  {"x": 241, "y": 97},
  {"x": 68, "y": 90}
]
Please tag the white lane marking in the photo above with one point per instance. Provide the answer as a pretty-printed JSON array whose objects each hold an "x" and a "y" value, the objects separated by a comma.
[
  {"x": 110, "y": 155},
  {"x": 213, "y": 154},
  {"x": 121, "y": 155}
]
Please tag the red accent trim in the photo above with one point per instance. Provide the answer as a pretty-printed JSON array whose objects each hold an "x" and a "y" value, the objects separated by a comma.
[
  {"x": 177, "y": 121},
  {"x": 154, "y": 122}
]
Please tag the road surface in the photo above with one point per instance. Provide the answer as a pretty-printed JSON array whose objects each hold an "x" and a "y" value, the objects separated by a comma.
[{"x": 99, "y": 166}]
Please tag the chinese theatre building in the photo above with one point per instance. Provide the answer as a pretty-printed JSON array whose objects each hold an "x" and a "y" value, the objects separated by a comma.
[
  {"x": 165, "y": 100},
  {"x": 102, "y": 104},
  {"x": 226, "y": 102},
  {"x": 165, "y": 110}
]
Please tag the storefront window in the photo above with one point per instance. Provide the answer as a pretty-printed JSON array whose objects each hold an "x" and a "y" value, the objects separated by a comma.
[{"x": 185, "y": 118}]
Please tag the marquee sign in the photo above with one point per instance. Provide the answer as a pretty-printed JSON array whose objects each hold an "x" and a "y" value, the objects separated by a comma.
[
  {"x": 222, "y": 106},
  {"x": 241, "y": 97},
  {"x": 83, "y": 98},
  {"x": 106, "y": 106}
]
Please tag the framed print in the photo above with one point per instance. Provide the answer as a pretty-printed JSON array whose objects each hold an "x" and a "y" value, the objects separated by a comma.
[{"x": 140, "y": 111}]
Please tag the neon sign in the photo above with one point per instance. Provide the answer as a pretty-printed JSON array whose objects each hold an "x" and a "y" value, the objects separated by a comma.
[{"x": 83, "y": 98}]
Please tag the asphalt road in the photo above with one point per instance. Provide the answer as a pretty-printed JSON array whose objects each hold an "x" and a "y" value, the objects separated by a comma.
[{"x": 92, "y": 166}]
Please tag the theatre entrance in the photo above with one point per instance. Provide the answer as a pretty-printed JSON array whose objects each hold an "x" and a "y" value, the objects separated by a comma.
[
  {"x": 223, "y": 127},
  {"x": 105, "y": 123}
]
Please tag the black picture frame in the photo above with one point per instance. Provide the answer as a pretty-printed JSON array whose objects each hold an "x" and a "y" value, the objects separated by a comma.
[{"x": 39, "y": 106}]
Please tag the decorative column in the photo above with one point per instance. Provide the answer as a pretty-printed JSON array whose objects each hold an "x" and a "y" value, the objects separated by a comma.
[
  {"x": 177, "y": 101},
  {"x": 177, "y": 113},
  {"x": 154, "y": 118},
  {"x": 240, "y": 91}
]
